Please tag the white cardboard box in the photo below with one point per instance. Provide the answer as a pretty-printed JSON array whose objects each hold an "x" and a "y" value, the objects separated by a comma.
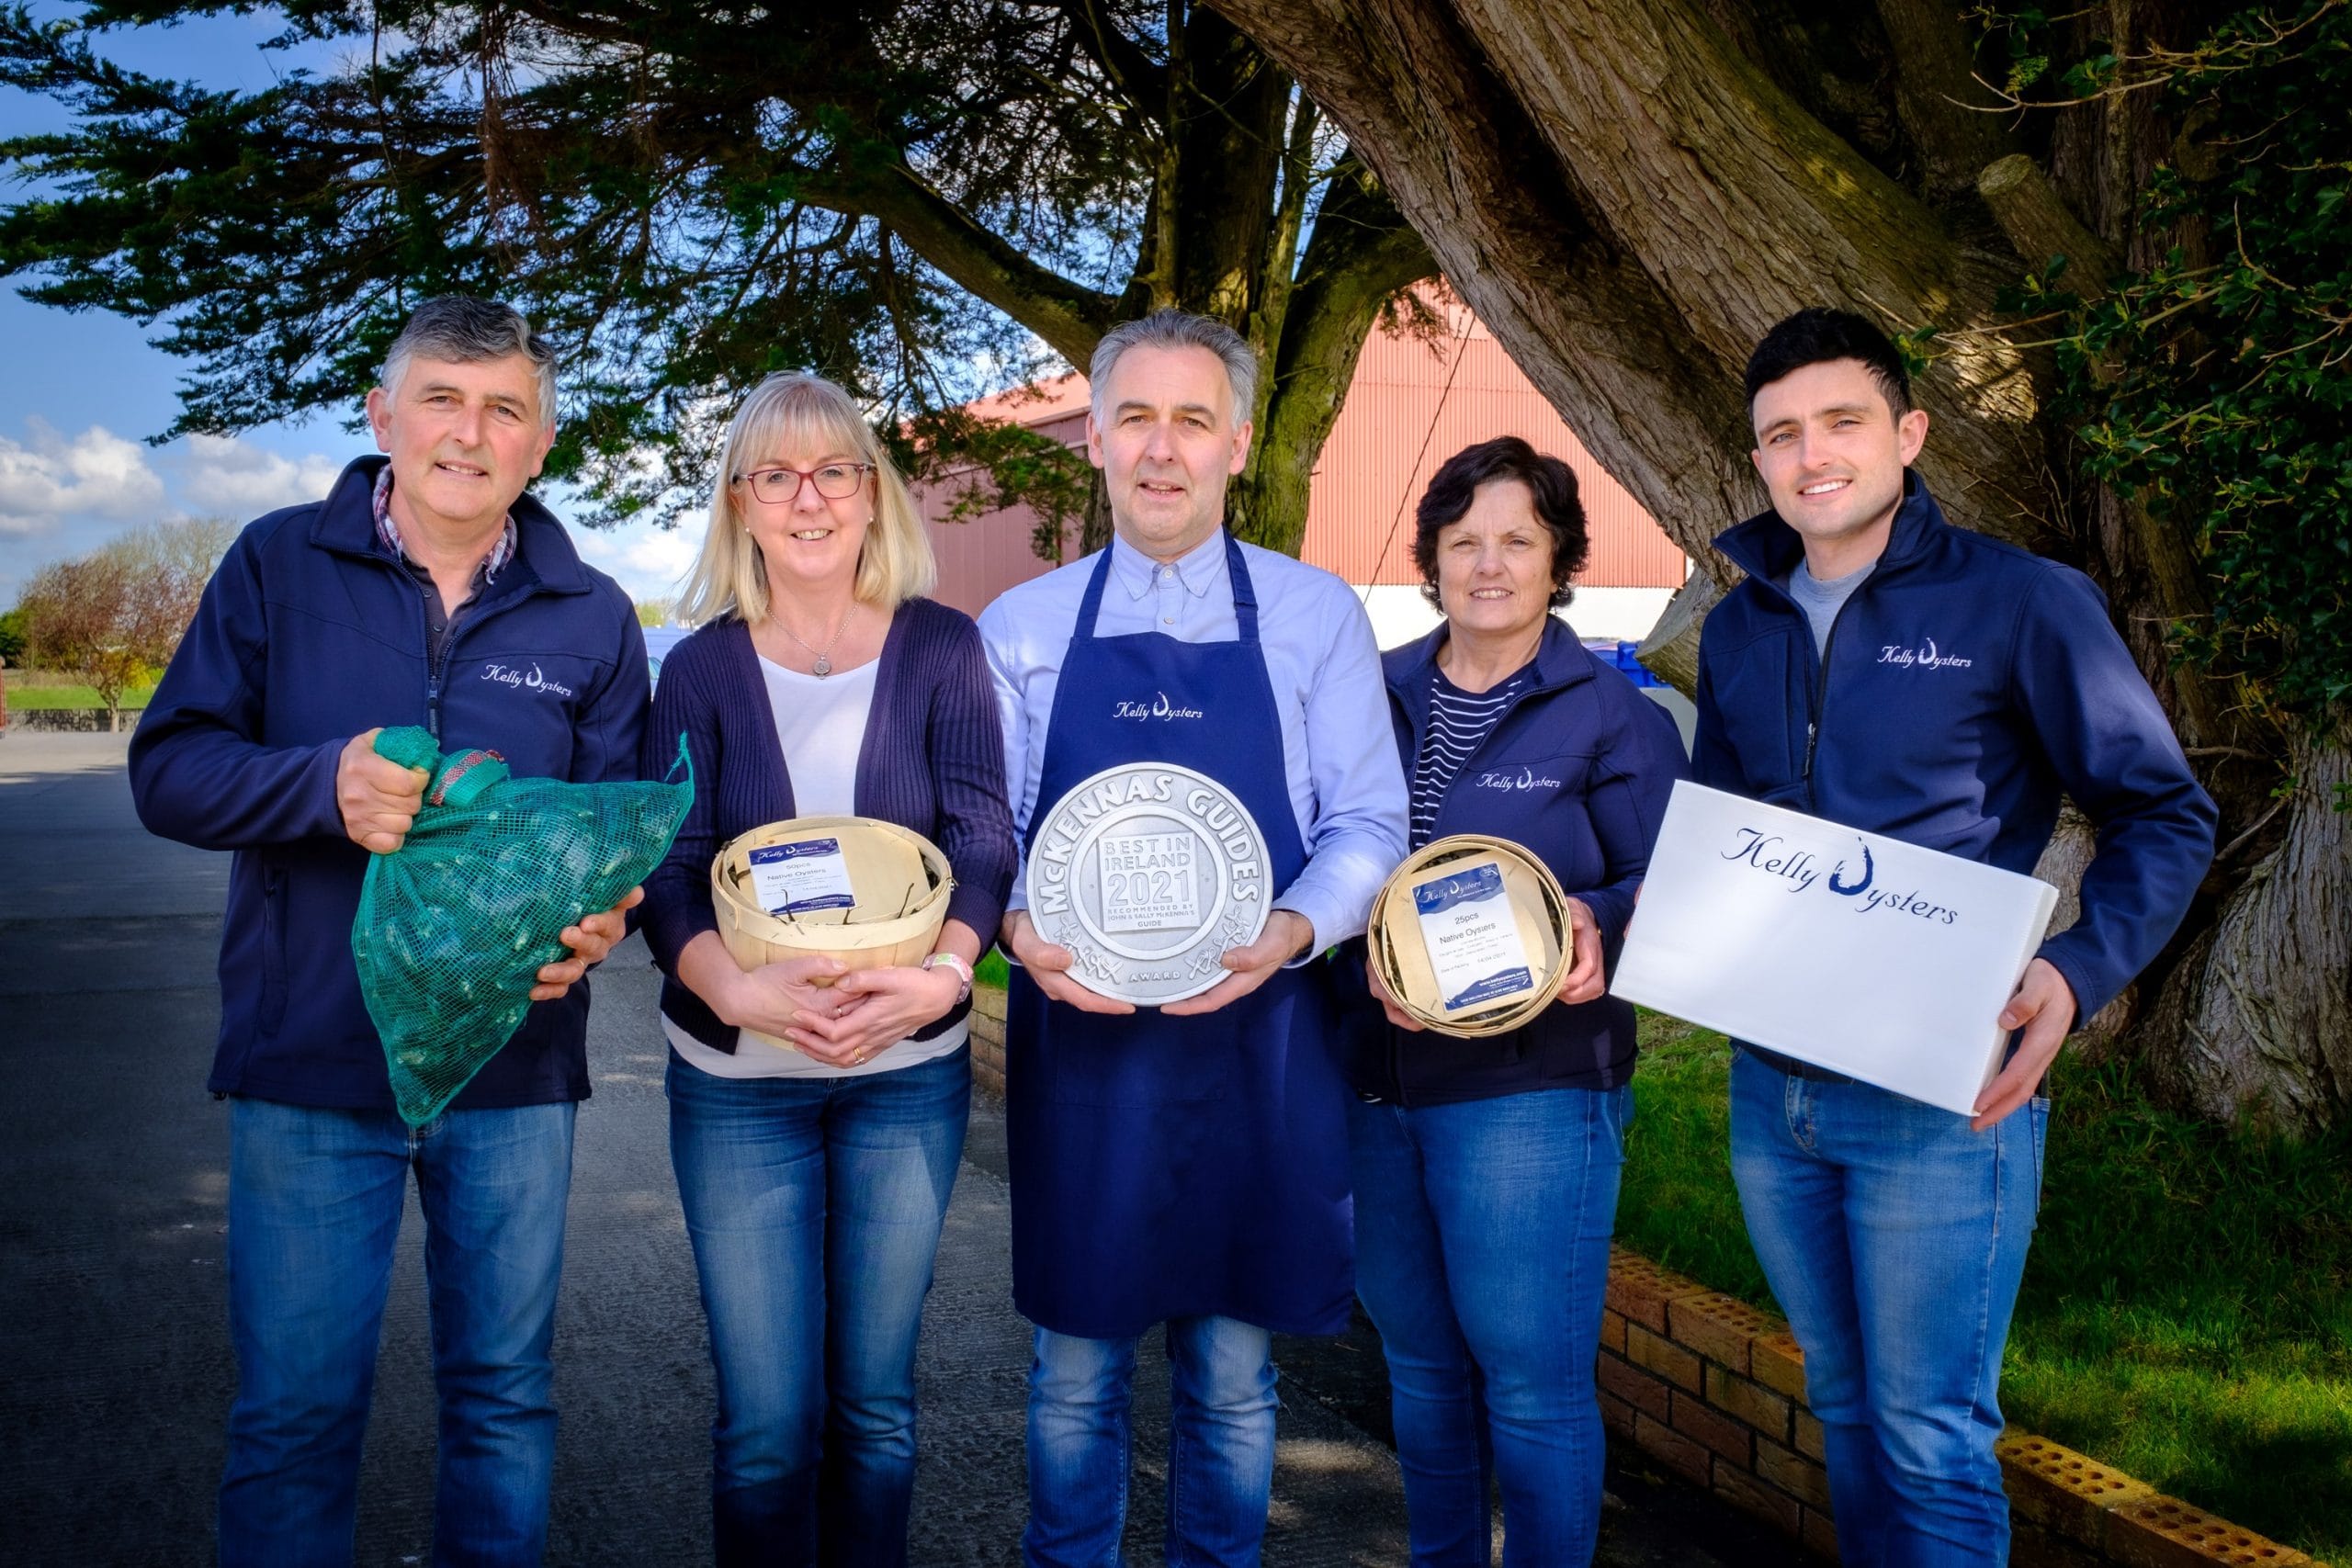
[{"x": 1860, "y": 953}]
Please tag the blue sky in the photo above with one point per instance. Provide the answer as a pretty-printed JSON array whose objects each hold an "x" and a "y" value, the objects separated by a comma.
[{"x": 75, "y": 468}]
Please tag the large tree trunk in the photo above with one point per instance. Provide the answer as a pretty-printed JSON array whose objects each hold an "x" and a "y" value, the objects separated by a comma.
[
  {"x": 1224, "y": 226},
  {"x": 2260, "y": 1022},
  {"x": 1630, "y": 192}
]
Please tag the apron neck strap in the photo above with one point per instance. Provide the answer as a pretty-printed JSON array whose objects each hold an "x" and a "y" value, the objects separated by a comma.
[{"x": 1245, "y": 592}]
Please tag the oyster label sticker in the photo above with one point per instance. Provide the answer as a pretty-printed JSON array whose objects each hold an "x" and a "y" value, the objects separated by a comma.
[
  {"x": 787, "y": 879},
  {"x": 1472, "y": 934},
  {"x": 1149, "y": 881}
]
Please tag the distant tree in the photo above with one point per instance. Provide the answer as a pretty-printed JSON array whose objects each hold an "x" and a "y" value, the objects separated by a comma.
[
  {"x": 170, "y": 564},
  {"x": 912, "y": 195},
  {"x": 115, "y": 617},
  {"x": 78, "y": 616},
  {"x": 654, "y": 611},
  {"x": 12, "y": 638}
]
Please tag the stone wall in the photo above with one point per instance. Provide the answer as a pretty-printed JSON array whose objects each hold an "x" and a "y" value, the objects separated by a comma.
[{"x": 76, "y": 720}]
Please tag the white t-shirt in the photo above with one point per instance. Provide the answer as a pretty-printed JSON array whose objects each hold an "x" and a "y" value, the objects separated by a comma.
[{"x": 821, "y": 723}]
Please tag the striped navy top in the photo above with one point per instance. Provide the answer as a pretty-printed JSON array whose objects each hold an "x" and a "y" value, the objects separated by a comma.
[{"x": 1459, "y": 722}]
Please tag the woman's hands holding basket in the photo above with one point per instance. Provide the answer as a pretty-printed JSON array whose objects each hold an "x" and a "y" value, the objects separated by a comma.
[
  {"x": 1397, "y": 1015},
  {"x": 777, "y": 998},
  {"x": 879, "y": 1009},
  {"x": 1584, "y": 982}
]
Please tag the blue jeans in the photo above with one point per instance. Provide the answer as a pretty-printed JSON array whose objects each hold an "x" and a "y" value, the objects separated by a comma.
[
  {"x": 815, "y": 1205},
  {"x": 315, "y": 1208},
  {"x": 1894, "y": 1239},
  {"x": 1482, "y": 1252},
  {"x": 1220, "y": 1448}
]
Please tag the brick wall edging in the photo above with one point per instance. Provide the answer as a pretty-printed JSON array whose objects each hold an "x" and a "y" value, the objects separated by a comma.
[
  {"x": 988, "y": 1038},
  {"x": 1714, "y": 1389}
]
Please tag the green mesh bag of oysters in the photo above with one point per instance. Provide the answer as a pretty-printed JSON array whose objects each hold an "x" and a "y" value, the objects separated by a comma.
[{"x": 455, "y": 924}]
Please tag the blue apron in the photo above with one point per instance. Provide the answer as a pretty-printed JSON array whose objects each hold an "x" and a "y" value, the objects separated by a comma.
[{"x": 1164, "y": 1167}]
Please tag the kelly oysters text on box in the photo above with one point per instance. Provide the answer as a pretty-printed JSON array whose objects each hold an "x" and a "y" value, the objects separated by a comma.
[{"x": 1852, "y": 951}]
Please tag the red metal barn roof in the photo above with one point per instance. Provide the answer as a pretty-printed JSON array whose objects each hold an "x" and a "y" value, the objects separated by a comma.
[{"x": 1409, "y": 408}]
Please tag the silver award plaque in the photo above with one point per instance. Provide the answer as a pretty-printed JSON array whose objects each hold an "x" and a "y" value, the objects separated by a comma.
[{"x": 1147, "y": 874}]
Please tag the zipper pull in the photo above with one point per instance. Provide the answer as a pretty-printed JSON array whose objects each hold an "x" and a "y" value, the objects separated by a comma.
[{"x": 433, "y": 711}]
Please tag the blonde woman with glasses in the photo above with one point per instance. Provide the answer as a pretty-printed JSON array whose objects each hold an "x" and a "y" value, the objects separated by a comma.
[{"x": 815, "y": 1178}]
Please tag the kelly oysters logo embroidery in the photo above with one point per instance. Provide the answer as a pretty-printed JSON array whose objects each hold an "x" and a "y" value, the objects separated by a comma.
[
  {"x": 1526, "y": 778},
  {"x": 1160, "y": 707},
  {"x": 1801, "y": 868},
  {"x": 533, "y": 679},
  {"x": 1922, "y": 658}
]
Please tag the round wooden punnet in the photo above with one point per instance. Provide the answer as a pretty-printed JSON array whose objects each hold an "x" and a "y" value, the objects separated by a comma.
[
  {"x": 1403, "y": 958},
  {"x": 900, "y": 880}
]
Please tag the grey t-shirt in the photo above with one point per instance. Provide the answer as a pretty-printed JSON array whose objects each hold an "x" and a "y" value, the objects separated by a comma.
[{"x": 1820, "y": 600}]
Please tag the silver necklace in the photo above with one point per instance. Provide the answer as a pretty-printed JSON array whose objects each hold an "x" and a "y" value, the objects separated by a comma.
[{"x": 824, "y": 665}]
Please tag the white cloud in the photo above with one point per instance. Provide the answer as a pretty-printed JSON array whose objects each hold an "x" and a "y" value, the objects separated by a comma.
[
  {"x": 645, "y": 559},
  {"x": 47, "y": 479},
  {"x": 225, "y": 476},
  {"x": 62, "y": 497}
]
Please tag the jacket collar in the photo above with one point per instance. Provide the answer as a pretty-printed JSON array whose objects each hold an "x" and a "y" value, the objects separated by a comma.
[
  {"x": 1560, "y": 661},
  {"x": 543, "y": 553},
  {"x": 1769, "y": 550}
]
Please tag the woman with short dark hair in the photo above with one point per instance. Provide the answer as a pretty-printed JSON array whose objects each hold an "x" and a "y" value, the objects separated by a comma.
[{"x": 1487, "y": 1170}]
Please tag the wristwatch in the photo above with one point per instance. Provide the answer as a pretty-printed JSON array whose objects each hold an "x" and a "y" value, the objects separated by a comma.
[{"x": 963, "y": 973}]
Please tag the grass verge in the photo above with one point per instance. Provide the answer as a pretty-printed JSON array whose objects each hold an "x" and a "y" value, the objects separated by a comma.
[
  {"x": 27, "y": 698},
  {"x": 2187, "y": 1313}
]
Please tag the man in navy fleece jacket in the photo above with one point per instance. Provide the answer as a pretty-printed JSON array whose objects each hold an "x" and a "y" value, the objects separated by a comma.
[
  {"x": 427, "y": 589},
  {"x": 1884, "y": 669}
]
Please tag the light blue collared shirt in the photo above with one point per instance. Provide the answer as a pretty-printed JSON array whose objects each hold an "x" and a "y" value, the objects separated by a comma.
[{"x": 1338, "y": 751}]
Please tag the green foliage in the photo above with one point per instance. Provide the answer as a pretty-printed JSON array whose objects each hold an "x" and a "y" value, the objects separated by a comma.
[
  {"x": 984, "y": 465},
  {"x": 675, "y": 198},
  {"x": 12, "y": 636},
  {"x": 922, "y": 200},
  {"x": 1677, "y": 1206},
  {"x": 2216, "y": 387},
  {"x": 2186, "y": 1314}
]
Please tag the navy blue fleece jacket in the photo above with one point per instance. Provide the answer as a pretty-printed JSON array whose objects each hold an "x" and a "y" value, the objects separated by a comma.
[{"x": 1968, "y": 684}]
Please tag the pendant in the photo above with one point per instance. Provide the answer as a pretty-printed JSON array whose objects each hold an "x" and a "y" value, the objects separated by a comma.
[{"x": 823, "y": 667}]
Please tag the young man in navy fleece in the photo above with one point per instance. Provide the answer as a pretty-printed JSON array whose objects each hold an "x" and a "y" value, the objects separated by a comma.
[{"x": 1884, "y": 669}]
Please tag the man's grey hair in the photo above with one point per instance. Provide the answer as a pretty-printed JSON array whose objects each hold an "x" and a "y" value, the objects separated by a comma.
[
  {"x": 459, "y": 330},
  {"x": 1179, "y": 329}
]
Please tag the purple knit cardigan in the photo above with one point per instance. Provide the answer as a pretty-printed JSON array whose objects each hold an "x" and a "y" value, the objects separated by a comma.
[{"x": 933, "y": 760}]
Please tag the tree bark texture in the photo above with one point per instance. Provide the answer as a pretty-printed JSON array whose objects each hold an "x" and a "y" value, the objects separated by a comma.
[
  {"x": 1225, "y": 235},
  {"x": 1631, "y": 192},
  {"x": 2267, "y": 1030},
  {"x": 1239, "y": 154}
]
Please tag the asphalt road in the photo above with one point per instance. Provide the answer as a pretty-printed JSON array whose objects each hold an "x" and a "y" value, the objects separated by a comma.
[{"x": 113, "y": 1178}]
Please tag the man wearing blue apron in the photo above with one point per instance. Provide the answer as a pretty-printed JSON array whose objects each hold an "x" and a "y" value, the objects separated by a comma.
[{"x": 1184, "y": 1165}]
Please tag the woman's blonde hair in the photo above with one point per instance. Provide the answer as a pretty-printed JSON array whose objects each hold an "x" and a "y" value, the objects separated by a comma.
[{"x": 799, "y": 409}]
